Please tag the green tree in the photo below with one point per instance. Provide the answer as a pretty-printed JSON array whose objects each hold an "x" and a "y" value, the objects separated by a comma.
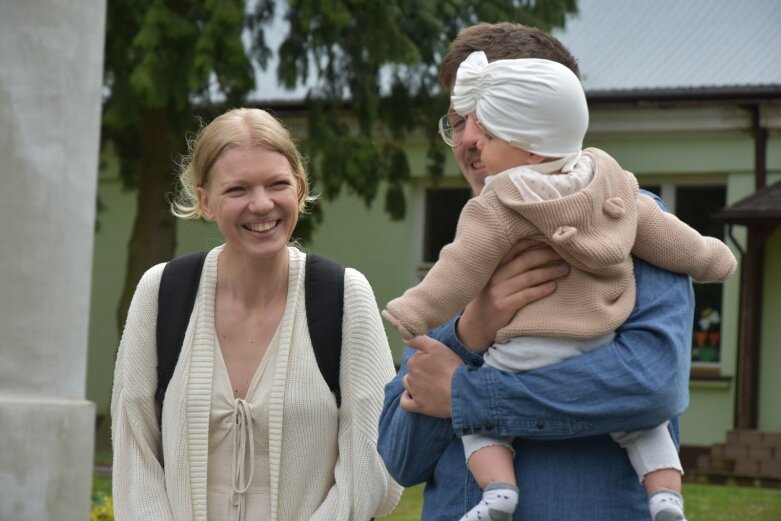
[{"x": 370, "y": 67}]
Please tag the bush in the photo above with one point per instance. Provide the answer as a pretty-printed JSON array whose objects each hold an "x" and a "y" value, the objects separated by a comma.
[
  {"x": 102, "y": 504},
  {"x": 102, "y": 509}
]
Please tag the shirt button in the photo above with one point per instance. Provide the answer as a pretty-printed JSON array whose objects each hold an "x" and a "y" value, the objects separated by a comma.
[{"x": 489, "y": 428}]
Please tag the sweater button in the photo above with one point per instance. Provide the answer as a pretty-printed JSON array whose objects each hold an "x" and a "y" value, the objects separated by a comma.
[{"x": 540, "y": 425}]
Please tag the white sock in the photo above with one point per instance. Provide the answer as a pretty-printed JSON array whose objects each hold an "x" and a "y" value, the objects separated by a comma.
[
  {"x": 498, "y": 504},
  {"x": 666, "y": 505}
]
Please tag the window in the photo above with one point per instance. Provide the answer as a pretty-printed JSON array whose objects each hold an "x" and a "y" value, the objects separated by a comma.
[
  {"x": 443, "y": 206},
  {"x": 654, "y": 189},
  {"x": 694, "y": 205}
]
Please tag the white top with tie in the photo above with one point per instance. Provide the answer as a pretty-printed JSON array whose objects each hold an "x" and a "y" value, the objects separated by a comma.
[{"x": 238, "y": 468}]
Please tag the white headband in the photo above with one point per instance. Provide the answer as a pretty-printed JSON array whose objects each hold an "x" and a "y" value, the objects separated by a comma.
[{"x": 537, "y": 105}]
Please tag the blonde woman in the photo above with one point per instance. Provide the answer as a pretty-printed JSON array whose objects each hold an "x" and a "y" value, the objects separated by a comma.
[{"x": 250, "y": 430}]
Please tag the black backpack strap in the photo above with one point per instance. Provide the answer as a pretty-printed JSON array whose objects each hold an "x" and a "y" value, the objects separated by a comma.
[
  {"x": 324, "y": 299},
  {"x": 175, "y": 301}
]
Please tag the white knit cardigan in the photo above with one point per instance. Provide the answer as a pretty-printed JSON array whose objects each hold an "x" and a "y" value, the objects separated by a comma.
[{"x": 323, "y": 460}]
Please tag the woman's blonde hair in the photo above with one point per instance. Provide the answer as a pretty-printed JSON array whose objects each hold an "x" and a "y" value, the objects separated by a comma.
[{"x": 243, "y": 127}]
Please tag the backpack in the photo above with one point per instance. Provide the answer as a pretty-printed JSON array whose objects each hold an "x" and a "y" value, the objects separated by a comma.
[{"x": 324, "y": 300}]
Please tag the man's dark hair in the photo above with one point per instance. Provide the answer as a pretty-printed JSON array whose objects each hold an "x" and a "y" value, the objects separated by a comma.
[{"x": 501, "y": 41}]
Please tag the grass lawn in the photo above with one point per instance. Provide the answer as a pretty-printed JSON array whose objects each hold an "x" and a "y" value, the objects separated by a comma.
[
  {"x": 101, "y": 486},
  {"x": 703, "y": 503}
]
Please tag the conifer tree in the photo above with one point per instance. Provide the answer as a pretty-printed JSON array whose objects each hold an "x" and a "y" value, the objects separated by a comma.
[{"x": 370, "y": 67}]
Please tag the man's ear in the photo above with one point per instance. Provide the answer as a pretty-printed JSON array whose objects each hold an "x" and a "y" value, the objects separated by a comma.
[{"x": 203, "y": 202}]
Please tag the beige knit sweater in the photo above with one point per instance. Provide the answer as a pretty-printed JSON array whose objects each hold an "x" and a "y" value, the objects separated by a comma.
[
  {"x": 323, "y": 460},
  {"x": 595, "y": 230}
]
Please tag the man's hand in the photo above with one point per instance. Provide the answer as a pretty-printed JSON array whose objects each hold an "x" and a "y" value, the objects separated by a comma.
[
  {"x": 430, "y": 372},
  {"x": 526, "y": 273}
]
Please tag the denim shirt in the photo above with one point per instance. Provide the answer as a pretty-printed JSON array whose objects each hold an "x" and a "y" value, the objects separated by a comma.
[{"x": 567, "y": 466}]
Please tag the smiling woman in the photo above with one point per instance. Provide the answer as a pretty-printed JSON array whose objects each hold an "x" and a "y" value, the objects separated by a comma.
[
  {"x": 239, "y": 128},
  {"x": 252, "y": 197},
  {"x": 249, "y": 428}
]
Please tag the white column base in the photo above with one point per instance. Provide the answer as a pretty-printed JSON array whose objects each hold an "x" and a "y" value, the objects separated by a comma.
[{"x": 46, "y": 458}]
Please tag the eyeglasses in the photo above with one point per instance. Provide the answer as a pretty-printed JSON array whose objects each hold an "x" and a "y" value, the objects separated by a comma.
[{"x": 451, "y": 128}]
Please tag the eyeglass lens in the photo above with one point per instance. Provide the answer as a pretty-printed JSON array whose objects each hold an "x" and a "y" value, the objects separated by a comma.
[{"x": 451, "y": 126}]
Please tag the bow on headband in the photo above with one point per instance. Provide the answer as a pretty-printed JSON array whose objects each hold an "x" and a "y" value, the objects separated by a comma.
[{"x": 469, "y": 83}]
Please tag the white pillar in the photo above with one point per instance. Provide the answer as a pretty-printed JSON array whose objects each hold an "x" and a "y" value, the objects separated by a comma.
[{"x": 51, "y": 62}]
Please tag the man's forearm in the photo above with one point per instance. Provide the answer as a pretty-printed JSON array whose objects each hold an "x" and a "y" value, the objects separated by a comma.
[{"x": 410, "y": 444}]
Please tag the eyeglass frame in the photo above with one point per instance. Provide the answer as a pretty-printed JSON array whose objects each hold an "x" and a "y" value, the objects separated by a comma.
[{"x": 446, "y": 129}]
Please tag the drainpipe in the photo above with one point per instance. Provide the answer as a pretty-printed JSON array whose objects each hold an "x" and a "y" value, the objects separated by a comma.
[
  {"x": 760, "y": 147},
  {"x": 751, "y": 282}
]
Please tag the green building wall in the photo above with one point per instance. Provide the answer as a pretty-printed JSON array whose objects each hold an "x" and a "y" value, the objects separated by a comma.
[{"x": 389, "y": 254}]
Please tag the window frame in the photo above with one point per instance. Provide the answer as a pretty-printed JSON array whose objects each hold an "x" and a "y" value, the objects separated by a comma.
[{"x": 668, "y": 193}]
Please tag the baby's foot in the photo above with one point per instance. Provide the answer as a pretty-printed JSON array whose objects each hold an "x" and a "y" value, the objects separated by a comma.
[
  {"x": 666, "y": 505},
  {"x": 498, "y": 504}
]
